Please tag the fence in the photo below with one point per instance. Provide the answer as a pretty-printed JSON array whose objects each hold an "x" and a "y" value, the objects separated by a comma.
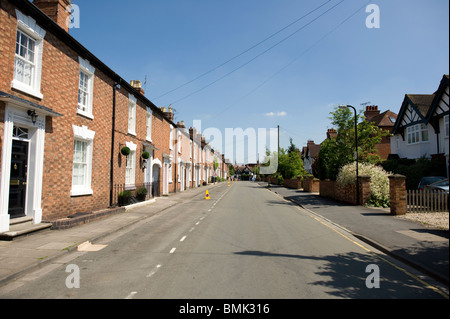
[
  {"x": 139, "y": 193},
  {"x": 426, "y": 201}
]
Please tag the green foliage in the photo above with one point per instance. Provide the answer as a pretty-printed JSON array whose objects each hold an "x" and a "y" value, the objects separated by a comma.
[
  {"x": 231, "y": 170},
  {"x": 415, "y": 170},
  {"x": 216, "y": 164},
  {"x": 290, "y": 164},
  {"x": 379, "y": 181},
  {"x": 339, "y": 151}
]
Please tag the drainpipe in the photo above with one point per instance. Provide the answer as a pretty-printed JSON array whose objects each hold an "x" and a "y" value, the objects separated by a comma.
[{"x": 111, "y": 187}]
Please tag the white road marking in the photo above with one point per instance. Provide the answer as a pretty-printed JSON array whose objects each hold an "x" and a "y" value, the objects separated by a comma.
[
  {"x": 153, "y": 271},
  {"x": 183, "y": 238},
  {"x": 131, "y": 295},
  {"x": 172, "y": 250}
]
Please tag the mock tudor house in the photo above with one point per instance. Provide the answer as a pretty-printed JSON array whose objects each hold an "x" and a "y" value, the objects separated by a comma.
[
  {"x": 422, "y": 127},
  {"x": 310, "y": 153},
  {"x": 73, "y": 133}
]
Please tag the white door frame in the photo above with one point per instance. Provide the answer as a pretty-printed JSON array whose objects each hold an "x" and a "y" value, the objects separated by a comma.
[{"x": 17, "y": 116}]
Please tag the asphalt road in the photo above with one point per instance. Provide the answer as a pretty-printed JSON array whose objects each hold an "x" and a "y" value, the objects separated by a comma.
[{"x": 244, "y": 243}]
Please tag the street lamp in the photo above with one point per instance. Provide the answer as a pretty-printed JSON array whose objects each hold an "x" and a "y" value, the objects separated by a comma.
[{"x": 356, "y": 149}]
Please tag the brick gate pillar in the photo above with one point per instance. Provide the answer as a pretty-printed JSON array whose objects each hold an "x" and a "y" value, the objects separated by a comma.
[
  {"x": 364, "y": 189},
  {"x": 397, "y": 190}
]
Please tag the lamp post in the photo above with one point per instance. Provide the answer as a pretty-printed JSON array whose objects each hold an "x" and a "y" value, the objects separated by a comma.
[{"x": 356, "y": 149}]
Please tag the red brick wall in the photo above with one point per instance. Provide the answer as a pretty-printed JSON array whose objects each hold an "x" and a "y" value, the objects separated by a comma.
[{"x": 59, "y": 86}]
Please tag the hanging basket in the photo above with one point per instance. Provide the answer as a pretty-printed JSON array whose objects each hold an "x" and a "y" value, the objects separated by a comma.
[
  {"x": 145, "y": 155},
  {"x": 125, "y": 151}
]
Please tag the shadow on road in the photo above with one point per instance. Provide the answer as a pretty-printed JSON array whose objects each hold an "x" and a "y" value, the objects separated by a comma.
[{"x": 345, "y": 276}]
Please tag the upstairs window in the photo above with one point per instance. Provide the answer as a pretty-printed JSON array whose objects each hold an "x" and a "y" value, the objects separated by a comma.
[
  {"x": 149, "y": 124},
  {"x": 28, "y": 56},
  {"x": 446, "y": 126},
  {"x": 132, "y": 115},
  {"x": 25, "y": 64},
  {"x": 85, "y": 89}
]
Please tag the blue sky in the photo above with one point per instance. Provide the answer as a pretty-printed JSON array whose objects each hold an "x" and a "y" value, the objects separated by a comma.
[{"x": 294, "y": 79}]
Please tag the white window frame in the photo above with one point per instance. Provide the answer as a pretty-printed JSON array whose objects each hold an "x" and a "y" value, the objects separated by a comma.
[
  {"x": 446, "y": 126},
  {"x": 171, "y": 138},
  {"x": 28, "y": 27},
  {"x": 88, "y": 70},
  {"x": 84, "y": 135},
  {"x": 130, "y": 167},
  {"x": 149, "y": 124},
  {"x": 132, "y": 115},
  {"x": 415, "y": 134}
]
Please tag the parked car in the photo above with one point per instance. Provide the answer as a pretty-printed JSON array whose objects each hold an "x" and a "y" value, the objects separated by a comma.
[
  {"x": 429, "y": 180},
  {"x": 441, "y": 186}
]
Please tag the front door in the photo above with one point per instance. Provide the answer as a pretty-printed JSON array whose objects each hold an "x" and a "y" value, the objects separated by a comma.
[{"x": 18, "y": 180}]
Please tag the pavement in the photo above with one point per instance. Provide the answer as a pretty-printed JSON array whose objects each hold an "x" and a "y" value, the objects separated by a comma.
[{"x": 425, "y": 249}]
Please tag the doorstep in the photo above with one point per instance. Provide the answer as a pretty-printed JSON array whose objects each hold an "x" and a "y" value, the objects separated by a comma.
[{"x": 22, "y": 226}]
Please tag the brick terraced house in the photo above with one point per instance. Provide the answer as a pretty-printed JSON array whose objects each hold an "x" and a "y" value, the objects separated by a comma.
[{"x": 73, "y": 133}]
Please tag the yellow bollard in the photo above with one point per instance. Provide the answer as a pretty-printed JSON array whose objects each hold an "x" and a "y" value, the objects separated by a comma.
[
  {"x": 207, "y": 195},
  {"x": 228, "y": 183}
]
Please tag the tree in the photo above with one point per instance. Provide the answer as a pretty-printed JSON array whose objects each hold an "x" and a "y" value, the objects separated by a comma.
[
  {"x": 290, "y": 164},
  {"x": 231, "y": 170},
  {"x": 339, "y": 151}
]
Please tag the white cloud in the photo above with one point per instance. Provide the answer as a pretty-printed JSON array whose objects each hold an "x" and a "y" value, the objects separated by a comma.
[{"x": 276, "y": 114}]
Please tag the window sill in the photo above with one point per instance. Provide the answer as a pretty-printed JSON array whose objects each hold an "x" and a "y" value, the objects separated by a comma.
[
  {"x": 26, "y": 89},
  {"x": 132, "y": 133},
  {"x": 81, "y": 192},
  {"x": 85, "y": 114}
]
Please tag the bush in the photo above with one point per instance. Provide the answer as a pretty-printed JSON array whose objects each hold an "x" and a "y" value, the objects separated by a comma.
[
  {"x": 415, "y": 170},
  {"x": 379, "y": 181}
]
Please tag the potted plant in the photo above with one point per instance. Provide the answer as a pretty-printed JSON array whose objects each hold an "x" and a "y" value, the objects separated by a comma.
[
  {"x": 145, "y": 155},
  {"x": 141, "y": 194},
  {"x": 125, "y": 151},
  {"x": 124, "y": 198}
]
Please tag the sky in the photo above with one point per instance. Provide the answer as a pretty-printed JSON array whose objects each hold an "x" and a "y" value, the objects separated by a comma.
[{"x": 260, "y": 64}]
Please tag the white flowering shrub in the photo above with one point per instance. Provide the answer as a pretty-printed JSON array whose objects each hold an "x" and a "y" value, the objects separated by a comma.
[{"x": 379, "y": 181}]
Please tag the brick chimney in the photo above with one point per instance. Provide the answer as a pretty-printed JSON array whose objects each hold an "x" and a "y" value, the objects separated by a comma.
[
  {"x": 137, "y": 86},
  {"x": 56, "y": 10},
  {"x": 331, "y": 133},
  {"x": 181, "y": 125},
  {"x": 169, "y": 113},
  {"x": 371, "y": 111},
  {"x": 193, "y": 132}
]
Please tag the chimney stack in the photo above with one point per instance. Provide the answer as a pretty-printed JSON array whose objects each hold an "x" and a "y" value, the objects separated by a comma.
[
  {"x": 169, "y": 113},
  {"x": 137, "y": 86},
  {"x": 56, "y": 10},
  {"x": 371, "y": 111},
  {"x": 331, "y": 133}
]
